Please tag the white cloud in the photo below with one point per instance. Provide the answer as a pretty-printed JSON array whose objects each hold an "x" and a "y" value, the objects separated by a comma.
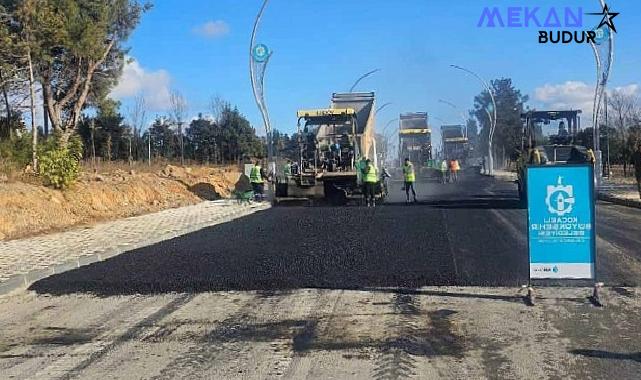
[
  {"x": 574, "y": 95},
  {"x": 212, "y": 29},
  {"x": 631, "y": 89},
  {"x": 153, "y": 85}
]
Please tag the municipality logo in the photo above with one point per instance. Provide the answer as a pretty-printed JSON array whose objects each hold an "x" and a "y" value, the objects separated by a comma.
[{"x": 560, "y": 198}]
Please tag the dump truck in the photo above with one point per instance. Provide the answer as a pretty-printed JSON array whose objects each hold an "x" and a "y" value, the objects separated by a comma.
[
  {"x": 415, "y": 142},
  {"x": 455, "y": 142},
  {"x": 331, "y": 141}
]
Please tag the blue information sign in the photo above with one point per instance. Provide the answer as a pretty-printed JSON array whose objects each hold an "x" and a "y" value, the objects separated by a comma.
[{"x": 561, "y": 230}]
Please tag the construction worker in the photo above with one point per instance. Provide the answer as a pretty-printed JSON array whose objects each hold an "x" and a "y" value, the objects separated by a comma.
[
  {"x": 409, "y": 176},
  {"x": 454, "y": 168},
  {"x": 287, "y": 170},
  {"x": 257, "y": 178},
  {"x": 443, "y": 168},
  {"x": 370, "y": 179}
]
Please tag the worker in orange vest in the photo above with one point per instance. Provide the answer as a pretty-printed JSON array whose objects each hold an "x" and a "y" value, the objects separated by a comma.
[{"x": 454, "y": 169}]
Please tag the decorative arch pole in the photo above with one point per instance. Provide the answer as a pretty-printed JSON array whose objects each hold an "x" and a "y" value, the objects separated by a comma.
[
  {"x": 603, "y": 48},
  {"x": 259, "y": 55}
]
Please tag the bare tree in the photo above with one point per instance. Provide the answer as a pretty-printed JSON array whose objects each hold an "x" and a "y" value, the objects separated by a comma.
[
  {"x": 217, "y": 106},
  {"x": 624, "y": 108},
  {"x": 178, "y": 111},
  {"x": 137, "y": 120}
]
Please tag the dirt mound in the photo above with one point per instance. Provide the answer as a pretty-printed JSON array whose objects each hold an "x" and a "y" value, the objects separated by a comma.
[
  {"x": 208, "y": 183},
  {"x": 27, "y": 209}
]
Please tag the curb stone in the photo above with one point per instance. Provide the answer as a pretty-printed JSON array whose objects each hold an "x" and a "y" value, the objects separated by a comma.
[
  {"x": 619, "y": 201},
  {"x": 23, "y": 281}
]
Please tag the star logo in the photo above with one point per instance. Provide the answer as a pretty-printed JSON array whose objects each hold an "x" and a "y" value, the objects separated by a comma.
[{"x": 607, "y": 17}]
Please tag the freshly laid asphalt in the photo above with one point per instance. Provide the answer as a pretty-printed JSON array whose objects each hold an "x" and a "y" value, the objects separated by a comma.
[{"x": 472, "y": 233}]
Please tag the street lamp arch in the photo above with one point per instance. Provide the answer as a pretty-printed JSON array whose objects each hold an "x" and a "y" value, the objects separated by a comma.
[{"x": 490, "y": 91}]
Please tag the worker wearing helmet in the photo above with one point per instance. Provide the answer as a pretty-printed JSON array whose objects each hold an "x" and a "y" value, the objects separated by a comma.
[
  {"x": 370, "y": 178},
  {"x": 409, "y": 176}
]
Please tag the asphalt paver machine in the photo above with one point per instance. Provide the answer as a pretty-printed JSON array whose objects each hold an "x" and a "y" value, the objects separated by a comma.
[{"x": 331, "y": 141}]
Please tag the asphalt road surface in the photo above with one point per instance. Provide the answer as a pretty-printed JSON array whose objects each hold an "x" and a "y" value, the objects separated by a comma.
[{"x": 426, "y": 290}]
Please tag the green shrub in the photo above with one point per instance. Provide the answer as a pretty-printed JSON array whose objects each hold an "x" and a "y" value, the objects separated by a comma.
[
  {"x": 17, "y": 151},
  {"x": 59, "y": 165}
]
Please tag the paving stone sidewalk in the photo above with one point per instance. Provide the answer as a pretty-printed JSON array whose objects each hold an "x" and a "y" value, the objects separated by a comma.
[{"x": 27, "y": 260}]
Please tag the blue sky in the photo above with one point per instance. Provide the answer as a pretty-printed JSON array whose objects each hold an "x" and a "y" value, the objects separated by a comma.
[{"x": 200, "y": 48}]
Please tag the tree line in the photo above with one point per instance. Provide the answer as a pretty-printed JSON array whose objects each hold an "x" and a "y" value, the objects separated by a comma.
[
  {"x": 223, "y": 138},
  {"x": 60, "y": 59}
]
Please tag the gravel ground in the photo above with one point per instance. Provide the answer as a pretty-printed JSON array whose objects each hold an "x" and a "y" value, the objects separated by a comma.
[
  {"x": 399, "y": 291},
  {"x": 442, "y": 332}
]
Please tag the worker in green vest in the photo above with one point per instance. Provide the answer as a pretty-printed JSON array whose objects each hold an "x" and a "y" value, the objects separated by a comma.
[
  {"x": 443, "y": 168},
  {"x": 370, "y": 178},
  {"x": 257, "y": 179},
  {"x": 409, "y": 176},
  {"x": 287, "y": 170}
]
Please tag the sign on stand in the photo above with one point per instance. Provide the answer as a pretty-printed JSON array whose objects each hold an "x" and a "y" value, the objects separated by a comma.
[{"x": 561, "y": 231}]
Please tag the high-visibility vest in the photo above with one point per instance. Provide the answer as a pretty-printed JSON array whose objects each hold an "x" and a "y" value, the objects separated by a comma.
[
  {"x": 408, "y": 173},
  {"x": 370, "y": 176},
  {"x": 455, "y": 165},
  {"x": 254, "y": 176},
  {"x": 288, "y": 170},
  {"x": 444, "y": 165}
]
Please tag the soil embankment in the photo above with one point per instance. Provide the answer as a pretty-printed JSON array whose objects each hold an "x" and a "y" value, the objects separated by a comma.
[{"x": 28, "y": 209}]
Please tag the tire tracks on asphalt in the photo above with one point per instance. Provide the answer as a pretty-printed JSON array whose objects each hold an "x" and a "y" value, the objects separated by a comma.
[
  {"x": 395, "y": 361},
  {"x": 302, "y": 366},
  {"x": 201, "y": 355},
  {"x": 130, "y": 328}
]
